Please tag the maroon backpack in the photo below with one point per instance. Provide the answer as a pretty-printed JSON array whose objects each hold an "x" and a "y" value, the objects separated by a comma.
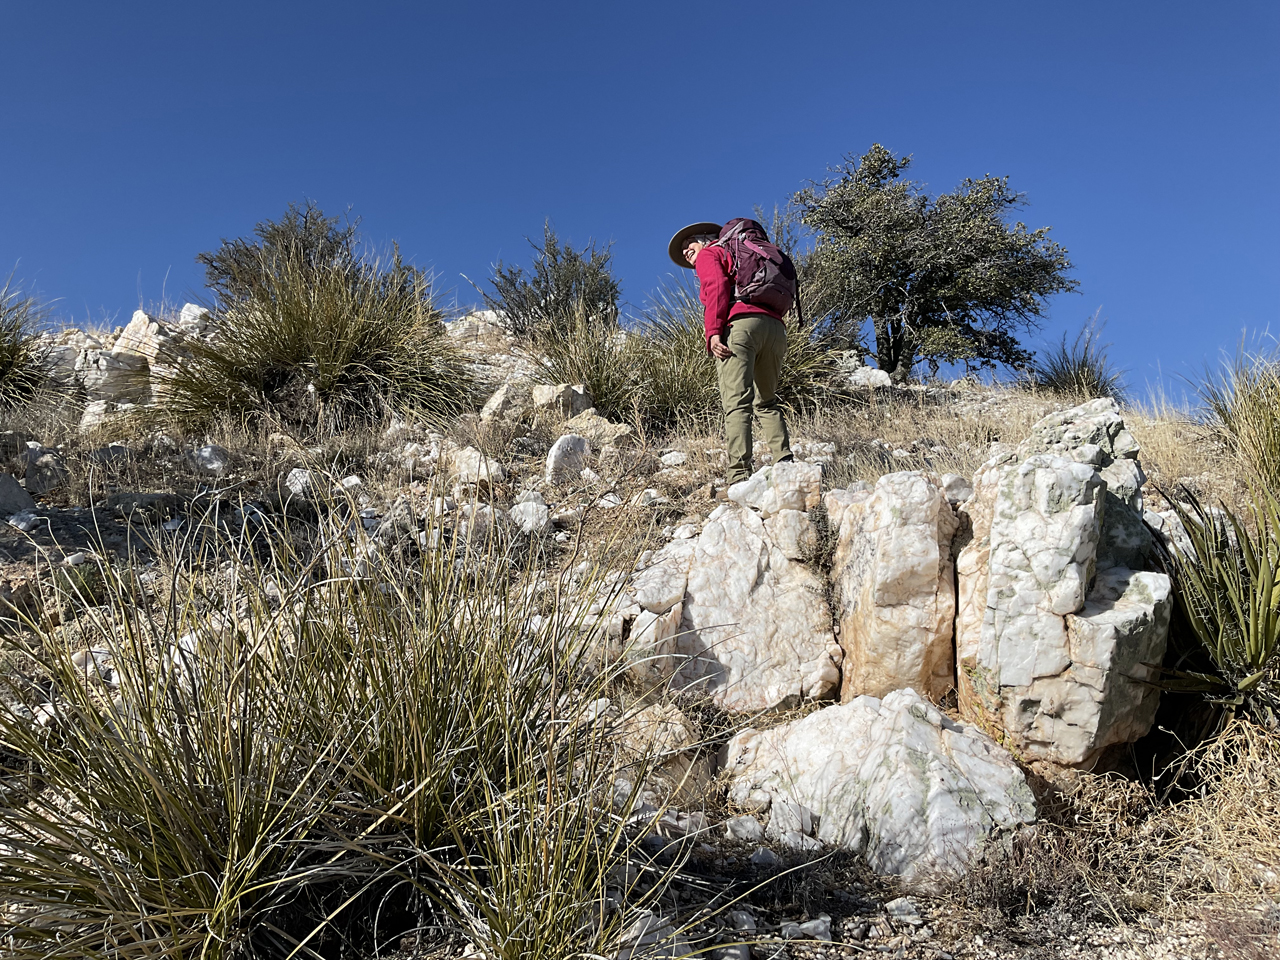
[{"x": 762, "y": 274}]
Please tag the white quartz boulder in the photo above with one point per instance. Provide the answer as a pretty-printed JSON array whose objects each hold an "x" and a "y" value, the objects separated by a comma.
[
  {"x": 893, "y": 580},
  {"x": 567, "y": 458},
  {"x": 756, "y": 627},
  {"x": 569, "y": 399},
  {"x": 1059, "y": 631},
  {"x": 916, "y": 793},
  {"x": 794, "y": 485}
]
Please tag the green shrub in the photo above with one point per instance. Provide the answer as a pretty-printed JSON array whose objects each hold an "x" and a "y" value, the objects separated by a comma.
[
  {"x": 1227, "y": 588},
  {"x": 1081, "y": 370},
  {"x": 23, "y": 354},
  {"x": 1243, "y": 403},
  {"x": 564, "y": 289},
  {"x": 315, "y": 337}
]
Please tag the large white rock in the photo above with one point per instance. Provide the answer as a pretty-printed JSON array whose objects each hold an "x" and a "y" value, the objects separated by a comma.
[
  {"x": 600, "y": 431},
  {"x": 917, "y": 794},
  {"x": 143, "y": 337},
  {"x": 894, "y": 587},
  {"x": 511, "y": 401},
  {"x": 794, "y": 485},
  {"x": 870, "y": 378},
  {"x": 115, "y": 378},
  {"x": 568, "y": 399},
  {"x": 1057, "y": 637},
  {"x": 756, "y": 628},
  {"x": 567, "y": 458},
  {"x": 469, "y": 465}
]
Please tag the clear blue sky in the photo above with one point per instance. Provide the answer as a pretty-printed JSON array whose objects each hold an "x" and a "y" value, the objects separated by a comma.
[{"x": 1146, "y": 134}]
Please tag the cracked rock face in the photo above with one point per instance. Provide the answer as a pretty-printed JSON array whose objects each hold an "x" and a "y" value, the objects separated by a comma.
[
  {"x": 894, "y": 585},
  {"x": 731, "y": 615},
  {"x": 1057, "y": 625},
  {"x": 917, "y": 794}
]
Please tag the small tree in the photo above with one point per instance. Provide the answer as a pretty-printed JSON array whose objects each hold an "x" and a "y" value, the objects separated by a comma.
[
  {"x": 945, "y": 279},
  {"x": 565, "y": 288},
  {"x": 304, "y": 239}
]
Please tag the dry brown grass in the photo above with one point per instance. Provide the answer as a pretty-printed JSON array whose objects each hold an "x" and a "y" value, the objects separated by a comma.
[
  {"x": 1109, "y": 851},
  {"x": 1178, "y": 450}
]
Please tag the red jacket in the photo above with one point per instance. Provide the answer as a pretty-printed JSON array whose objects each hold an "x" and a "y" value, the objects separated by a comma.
[{"x": 715, "y": 290}]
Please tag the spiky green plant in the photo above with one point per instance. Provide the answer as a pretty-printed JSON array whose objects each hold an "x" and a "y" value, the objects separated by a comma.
[
  {"x": 1080, "y": 370},
  {"x": 1227, "y": 585},
  {"x": 1243, "y": 403},
  {"x": 23, "y": 353},
  {"x": 271, "y": 781},
  {"x": 316, "y": 340}
]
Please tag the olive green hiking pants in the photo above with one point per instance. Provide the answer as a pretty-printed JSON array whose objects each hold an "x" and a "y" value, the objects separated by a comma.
[{"x": 749, "y": 379}]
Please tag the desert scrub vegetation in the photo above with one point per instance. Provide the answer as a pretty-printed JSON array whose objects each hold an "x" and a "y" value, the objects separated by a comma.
[
  {"x": 1080, "y": 370},
  {"x": 1226, "y": 575},
  {"x": 23, "y": 354},
  {"x": 345, "y": 760},
  {"x": 315, "y": 335},
  {"x": 1242, "y": 402}
]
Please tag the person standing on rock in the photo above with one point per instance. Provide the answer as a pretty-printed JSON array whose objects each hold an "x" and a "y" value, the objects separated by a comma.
[{"x": 746, "y": 285}]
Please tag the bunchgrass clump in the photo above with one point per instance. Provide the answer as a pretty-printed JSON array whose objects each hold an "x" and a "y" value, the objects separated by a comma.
[
  {"x": 316, "y": 754},
  {"x": 1243, "y": 404},
  {"x": 315, "y": 337},
  {"x": 1080, "y": 370},
  {"x": 24, "y": 367},
  {"x": 581, "y": 348}
]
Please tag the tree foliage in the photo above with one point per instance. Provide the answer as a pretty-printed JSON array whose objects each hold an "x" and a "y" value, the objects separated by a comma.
[
  {"x": 304, "y": 239},
  {"x": 564, "y": 288},
  {"x": 942, "y": 280}
]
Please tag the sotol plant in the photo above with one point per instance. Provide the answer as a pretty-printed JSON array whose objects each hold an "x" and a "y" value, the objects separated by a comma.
[
  {"x": 350, "y": 758},
  {"x": 315, "y": 336},
  {"x": 23, "y": 354}
]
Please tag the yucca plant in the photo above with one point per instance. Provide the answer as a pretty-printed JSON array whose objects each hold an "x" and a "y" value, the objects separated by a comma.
[
  {"x": 1243, "y": 403},
  {"x": 23, "y": 353},
  {"x": 1080, "y": 370},
  {"x": 1227, "y": 585}
]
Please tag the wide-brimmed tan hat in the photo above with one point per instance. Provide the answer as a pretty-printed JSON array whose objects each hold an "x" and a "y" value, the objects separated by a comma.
[{"x": 675, "y": 249}]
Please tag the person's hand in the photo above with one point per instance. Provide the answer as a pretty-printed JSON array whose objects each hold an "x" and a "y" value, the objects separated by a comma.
[{"x": 718, "y": 348}]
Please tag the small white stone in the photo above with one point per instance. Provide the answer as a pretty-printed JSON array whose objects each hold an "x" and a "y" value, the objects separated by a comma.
[
  {"x": 818, "y": 928},
  {"x": 744, "y": 828}
]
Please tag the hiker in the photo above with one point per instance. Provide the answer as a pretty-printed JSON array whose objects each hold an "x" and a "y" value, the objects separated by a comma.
[{"x": 746, "y": 285}]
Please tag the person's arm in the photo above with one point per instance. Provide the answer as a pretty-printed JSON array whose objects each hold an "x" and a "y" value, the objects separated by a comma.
[{"x": 715, "y": 289}]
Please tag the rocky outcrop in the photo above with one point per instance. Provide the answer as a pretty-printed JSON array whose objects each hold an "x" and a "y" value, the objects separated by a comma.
[
  {"x": 755, "y": 627},
  {"x": 917, "y": 794},
  {"x": 894, "y": 588},
  {"x": 732, "y": 614},
  {"x": 1058, "y": 631}
]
